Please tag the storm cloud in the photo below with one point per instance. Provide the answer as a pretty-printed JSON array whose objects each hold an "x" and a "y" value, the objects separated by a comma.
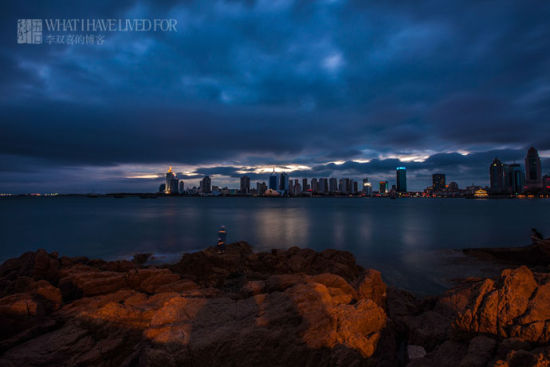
[{"x": 436, "y": 86}]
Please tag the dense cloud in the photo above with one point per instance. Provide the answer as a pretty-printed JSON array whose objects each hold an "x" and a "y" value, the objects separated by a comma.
[{"x": 261, "y": 83}]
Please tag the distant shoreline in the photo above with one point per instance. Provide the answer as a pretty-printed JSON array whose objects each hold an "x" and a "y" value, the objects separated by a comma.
[{"x": 411, "y": 195}]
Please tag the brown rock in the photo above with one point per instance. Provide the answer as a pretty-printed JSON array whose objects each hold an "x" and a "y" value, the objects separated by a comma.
[
  {"x": 372, "y": 287},
  {"x": 513, "y": 306}
]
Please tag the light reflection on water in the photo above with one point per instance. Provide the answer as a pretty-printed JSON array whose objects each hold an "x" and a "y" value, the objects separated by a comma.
[{"x": 405, "y": 239}]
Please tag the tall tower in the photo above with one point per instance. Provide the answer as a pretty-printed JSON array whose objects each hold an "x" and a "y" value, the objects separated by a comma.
[
  {"x": 283, "y": 182},
  {"x": 401, "y": 173},
  {"x": 533, "y": 170},
  {"x": 274, "y": 180},
  {"x": 496, "y": 176},
  {"x": 438, "y": 182},
  {"x": 245, "y": 185},
  {"x": 171, "y": 186},
  {"x": 206, "y": 185}
]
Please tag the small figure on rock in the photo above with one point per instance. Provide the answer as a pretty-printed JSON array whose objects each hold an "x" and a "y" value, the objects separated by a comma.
[
  {"x": 222, "y": 236},
  {"x": 536, "y": 236}
]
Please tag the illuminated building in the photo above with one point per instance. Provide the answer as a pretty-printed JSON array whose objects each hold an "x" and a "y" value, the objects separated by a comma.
[
  {"x": 401, "y": 173},
  {"x": 383, "y": 187},
  {"x": 367, "y": 187},
  {"x": 245, "y": 185},
  {"x": 438, "y": 182},
  {"x": 171, "y": 186},
  {"x": 480, "y": 194},
  {"x": 533, "y": 170}
]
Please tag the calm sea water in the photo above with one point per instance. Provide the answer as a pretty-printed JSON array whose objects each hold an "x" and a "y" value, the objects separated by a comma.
[{"x": 409, "y": 240}]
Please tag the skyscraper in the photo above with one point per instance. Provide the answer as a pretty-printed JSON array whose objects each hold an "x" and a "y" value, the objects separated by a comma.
[
  {"x": 261, "y": 187},
  {"x": 314, "y": 186},
  {"x": 274, "y": 181},
  {"x": 323, "y": 186},
  {"x": 401, "y": 173},
  {"x": 438, "y": 182},
  {"x": 305, "y": 186},
  {"x": 515, "y": 178},
  {"x": 333, "y": 185},
  {"x": 354, "y": 187},
  {"x": 297, "y": 188},
  {"x": 283, "y": 182},
  {"x": 206, "y": 185},
  {"x": 245, "y": 185},
  {"x": 181, "y": 187},
  {"x": 533, "y": 170},
  {"x": 344, "y": 186},
  {"x": 496, "y": 175},
  {"x": 367, "y": 187},
  {"x": 171, "y": 186},
  {"x": 383, "y": 188}
]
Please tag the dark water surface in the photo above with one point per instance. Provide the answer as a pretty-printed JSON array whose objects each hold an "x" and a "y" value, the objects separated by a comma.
[{"x": 409, "y": 240}]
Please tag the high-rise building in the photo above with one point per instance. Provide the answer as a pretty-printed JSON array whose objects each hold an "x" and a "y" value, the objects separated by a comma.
[
  {"x": 305, "y": 186},
  {"x": 367, "y": 187},
  {"x": 283, "y": 182},
  {"x": 496, "y": 175},
  {"x": 171, "y": 186},
  {"x": 383, "y": 188},
  {"x": 261, "y": 187},
  {"x": 181, "y": 187},
  {"x": 401, "y": 173},
  {"x": 245, "y": 185},
  {"x": 314, "y": 186},
  {"x": 333, "y": 185},
  {"x": 514, "y": 178},
  {"x": 274, "y": 181},
  {"x": 206, "y": 185},
  {"x": 438, "y": 182},
  {"x": 162, "y": 188},
  {"x": 354, "y": 187},
  {"x": 344, "y": 186},
  {"x": 453, "y": 187},
  {"x": 546, "y": 182},
  {"x": 323, "y": 186},
  {"x": 533, "y": 170},
  {"x": 297, "y": 188}
]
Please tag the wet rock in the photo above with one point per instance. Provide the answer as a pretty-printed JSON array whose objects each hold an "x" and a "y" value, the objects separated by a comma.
[
  {"x": 415, "y": 352},
  {"x": 513, "y": 306}
]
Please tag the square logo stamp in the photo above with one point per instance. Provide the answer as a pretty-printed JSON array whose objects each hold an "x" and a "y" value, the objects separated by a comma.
[{"x": 29, "y": 31}]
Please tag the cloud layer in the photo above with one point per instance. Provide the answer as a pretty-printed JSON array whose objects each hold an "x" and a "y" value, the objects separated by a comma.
[{"x": 261, "y": 83}]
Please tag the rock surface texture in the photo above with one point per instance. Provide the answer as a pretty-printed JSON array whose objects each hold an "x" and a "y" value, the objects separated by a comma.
[{"x": 294, "y": 307}]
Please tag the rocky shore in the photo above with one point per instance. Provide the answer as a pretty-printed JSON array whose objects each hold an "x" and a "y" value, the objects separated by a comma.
[{"x": 294, "y": 307}]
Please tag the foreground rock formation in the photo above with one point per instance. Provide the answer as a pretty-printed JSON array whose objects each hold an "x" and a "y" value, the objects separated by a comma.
[{"x": 294, "y": 307}]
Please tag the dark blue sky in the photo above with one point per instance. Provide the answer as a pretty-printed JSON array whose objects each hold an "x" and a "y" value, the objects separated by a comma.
[{"x": 246, "y": 85}]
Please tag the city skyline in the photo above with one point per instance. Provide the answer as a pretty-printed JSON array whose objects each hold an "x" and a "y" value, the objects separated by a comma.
[
  {"x": 504, "y": 179},
  {"x": 243, "y": 86}
]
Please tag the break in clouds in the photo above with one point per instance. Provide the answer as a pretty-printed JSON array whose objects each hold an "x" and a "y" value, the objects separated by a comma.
[{"x": 245, "y": 85}]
